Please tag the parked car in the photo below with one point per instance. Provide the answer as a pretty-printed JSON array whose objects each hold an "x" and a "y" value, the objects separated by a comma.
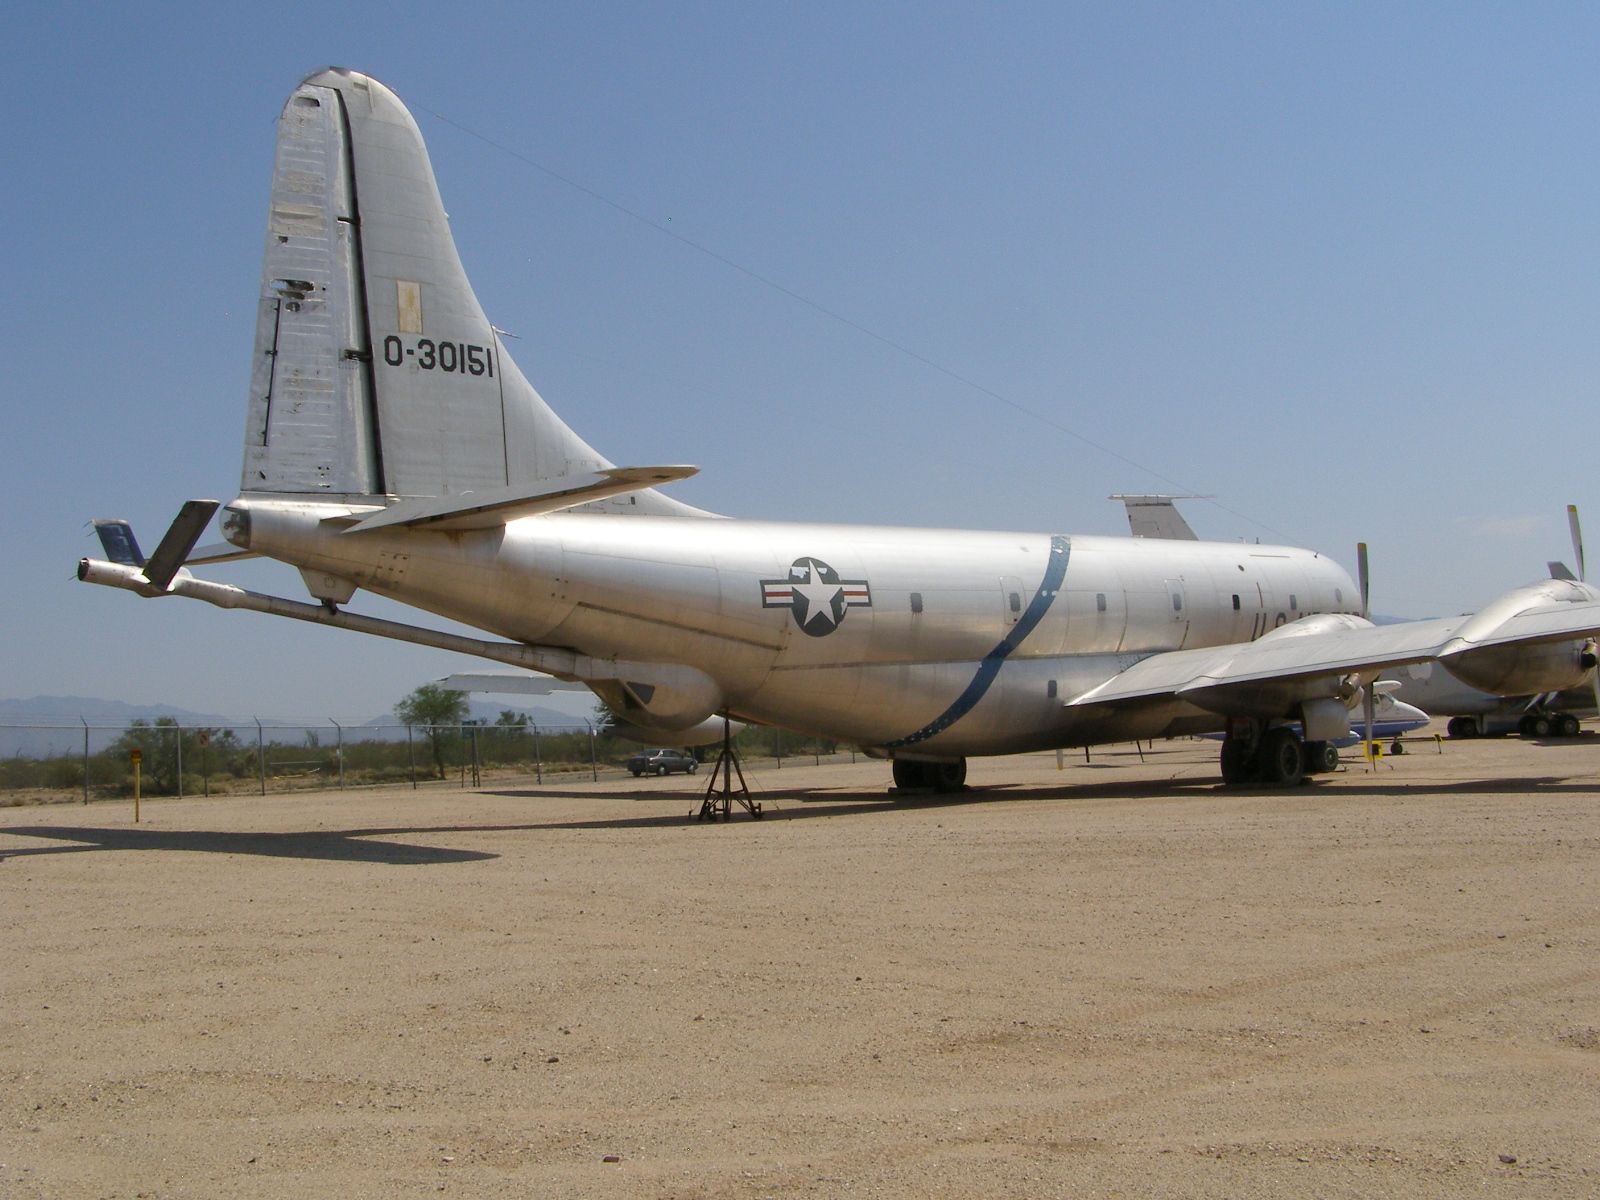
[{"x": 662, "y": 762}]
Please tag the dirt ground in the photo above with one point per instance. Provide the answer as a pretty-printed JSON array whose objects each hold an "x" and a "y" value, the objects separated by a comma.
[{"x": 1114, "y": 979}]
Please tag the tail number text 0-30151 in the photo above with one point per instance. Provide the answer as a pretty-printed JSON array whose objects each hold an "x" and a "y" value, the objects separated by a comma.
[{"x": 442, "y": 356}]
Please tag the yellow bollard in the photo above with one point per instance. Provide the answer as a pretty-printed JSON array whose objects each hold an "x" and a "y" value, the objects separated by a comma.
[{"x": 138, "y": 757}]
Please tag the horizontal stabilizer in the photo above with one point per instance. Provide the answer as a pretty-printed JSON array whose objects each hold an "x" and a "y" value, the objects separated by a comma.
[
  {"x": 489, "y": 508},
  {"x": 217, "y": 552},
  {"x": 509, "y": 683}
]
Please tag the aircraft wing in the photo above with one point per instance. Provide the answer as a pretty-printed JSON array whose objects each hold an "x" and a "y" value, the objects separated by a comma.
[{"x": 1266, "y": 673}]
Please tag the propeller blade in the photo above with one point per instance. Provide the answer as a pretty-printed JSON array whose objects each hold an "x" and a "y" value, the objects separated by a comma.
[
  {"x": 1577, "y": 537},
  {"x": 1368, "y": 707},
  {"x": 1363, "y": 579}
]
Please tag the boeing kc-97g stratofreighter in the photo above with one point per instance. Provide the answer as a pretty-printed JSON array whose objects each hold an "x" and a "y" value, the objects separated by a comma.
[{"x": 392, "y": 445}]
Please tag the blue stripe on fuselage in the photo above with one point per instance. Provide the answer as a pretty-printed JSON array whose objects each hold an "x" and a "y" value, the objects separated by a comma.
[{"x": 1049, "y": 587}]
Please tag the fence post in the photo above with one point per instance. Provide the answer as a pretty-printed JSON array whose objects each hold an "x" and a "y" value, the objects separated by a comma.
[
  {"x": 411, "y": 757},
  {"x": 177, "y": 732},
  {"x": 594, "y": 767},
  {"x": 538, "y": 759},
  {"x": 339, "y": 751},
  {"x": 261, "y": 755},
  {"x": 85, "y": 760}
]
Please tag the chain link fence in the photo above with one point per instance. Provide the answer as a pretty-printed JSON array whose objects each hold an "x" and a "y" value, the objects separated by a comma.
[{"x": 61, "y": 763}]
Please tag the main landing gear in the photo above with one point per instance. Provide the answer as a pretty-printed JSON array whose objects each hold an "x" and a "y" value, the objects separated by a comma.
[
  {"x": 912, "y": 776},
  {"x": 1542, "y": 723},
  {"x": 1278, "y": 757}
]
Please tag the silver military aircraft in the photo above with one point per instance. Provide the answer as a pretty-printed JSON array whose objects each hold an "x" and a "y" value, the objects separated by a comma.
[
  {"x": 392, "y": 445},
  {"x": 1475, "y": 713}
]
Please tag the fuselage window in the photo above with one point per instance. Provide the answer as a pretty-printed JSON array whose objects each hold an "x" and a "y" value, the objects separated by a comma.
[
  {"x": 1294, "y": 605},
  {"x": 916, "y": 602},
  {"x": 1099, "y": 602},
  {"x": 1236, "y": 602},
  {"x": 1177, "y": 602},
  {"x": 1015, "y": 600},
  {"x": 1050, "y": 689}
]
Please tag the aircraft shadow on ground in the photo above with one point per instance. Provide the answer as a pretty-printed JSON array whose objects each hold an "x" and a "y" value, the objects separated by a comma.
[
  {"x": 350, "y": 845},
  {"x": 369, "y": 846}
]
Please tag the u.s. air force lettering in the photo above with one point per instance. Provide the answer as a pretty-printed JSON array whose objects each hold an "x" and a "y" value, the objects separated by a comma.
[{"x": 816, "y": 595}]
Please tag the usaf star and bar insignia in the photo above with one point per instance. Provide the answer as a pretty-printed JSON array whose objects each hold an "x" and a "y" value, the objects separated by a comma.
[{"x": 816, "y": 595}]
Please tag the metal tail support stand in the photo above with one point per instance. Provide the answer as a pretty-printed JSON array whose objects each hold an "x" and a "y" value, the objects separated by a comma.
[{"x": 720, "y": 797}]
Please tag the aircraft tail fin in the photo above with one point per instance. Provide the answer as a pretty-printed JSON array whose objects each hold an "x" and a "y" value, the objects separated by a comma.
[{"x": 376, "y": 371}]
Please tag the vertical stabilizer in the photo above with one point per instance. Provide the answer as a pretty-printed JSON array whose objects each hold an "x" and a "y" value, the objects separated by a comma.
[{"x": 377, "y": 372}]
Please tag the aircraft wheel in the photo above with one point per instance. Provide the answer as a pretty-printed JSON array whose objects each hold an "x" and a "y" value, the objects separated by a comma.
[
  {"x": 1397, "y": 747},
  {"x": 908, "y": 775},
  {"x": 1237, "y": 764},
  {"x": 1567, "y": 725},
  {"x": 1538, "y": 726},
  {"x": 1462, "y": 727},
  {"x": 1321, "y": 758},
  {"x": 947, "y": 777},
  {"x": 1282, "y": 758}
]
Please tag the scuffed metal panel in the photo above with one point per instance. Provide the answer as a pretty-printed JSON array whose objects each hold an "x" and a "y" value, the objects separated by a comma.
[{"x": 408, "y": 299}]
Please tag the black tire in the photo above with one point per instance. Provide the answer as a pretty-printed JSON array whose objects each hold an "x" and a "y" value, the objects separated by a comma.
[
  {"x": 910, "y": 776},
  {"x": 662, "y": 769},
  {"x": 1282, "y": 760},
  {"x": 693, "y": 767},
  {"x": 947, "y": 777},
  {"x": 1238, "y": 766},
  {"x": 1321, "y": 758},
  {"x": 1462, "y": 728},
  {"x": 1567, "y": 725},
  {"x": 1397, "y": 747},
  {"x": 1539, "y": 725},
  {"x": 636, "y": 772}
]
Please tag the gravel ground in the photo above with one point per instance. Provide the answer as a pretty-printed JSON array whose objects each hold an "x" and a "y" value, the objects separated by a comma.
[{"x": 1113, "y": 979}]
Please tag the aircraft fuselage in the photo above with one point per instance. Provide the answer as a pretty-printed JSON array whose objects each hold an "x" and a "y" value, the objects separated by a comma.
[{"x": 914, "y": 641}]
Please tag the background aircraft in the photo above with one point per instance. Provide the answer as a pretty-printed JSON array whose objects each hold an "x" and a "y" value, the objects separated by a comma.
[{"x": 1476, "y": 713}]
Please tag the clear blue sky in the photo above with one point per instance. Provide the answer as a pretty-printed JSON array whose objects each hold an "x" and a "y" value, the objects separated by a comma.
[{"x": 1336, "y": 264}]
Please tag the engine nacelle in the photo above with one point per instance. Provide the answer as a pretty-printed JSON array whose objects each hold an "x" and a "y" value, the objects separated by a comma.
[
  {"x": 663, "y": 697},
  {"x": 1524, "y": 668}
]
